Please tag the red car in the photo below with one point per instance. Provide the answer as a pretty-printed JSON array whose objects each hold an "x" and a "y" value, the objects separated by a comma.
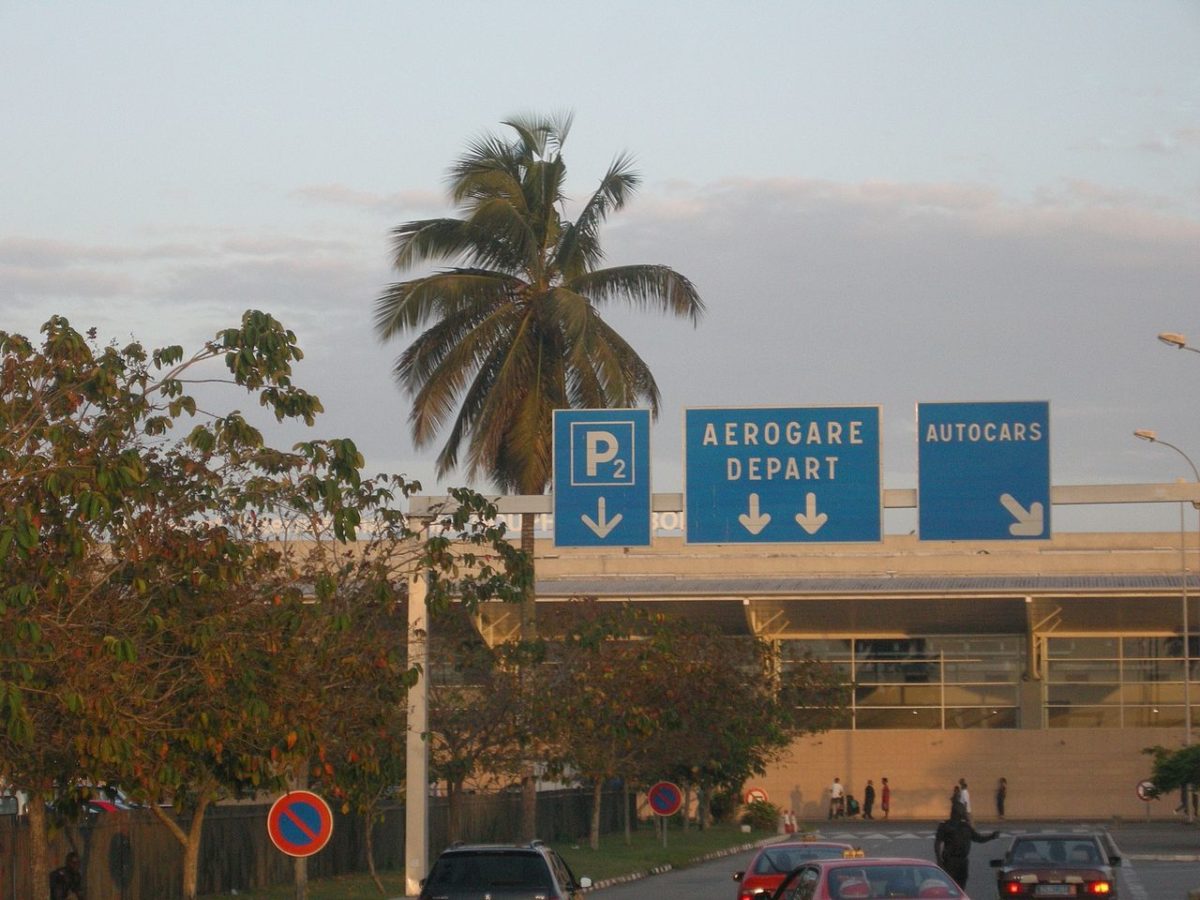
[
  {"x": 1065, "y": 864},
  {"x": 861, "y": 879},
  {"x": 774, "y": 861}
]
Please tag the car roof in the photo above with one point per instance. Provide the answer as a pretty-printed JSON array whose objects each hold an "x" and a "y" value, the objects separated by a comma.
[
  {"x": 860, "y": 861},
  {"x": 535, "y": 847},
  {"x": 800, "y": 845},
  {"x": 1059, "y": 836}
]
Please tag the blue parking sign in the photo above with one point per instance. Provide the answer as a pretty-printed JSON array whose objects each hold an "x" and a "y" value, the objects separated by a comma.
[{"x": 602, "y": 477}]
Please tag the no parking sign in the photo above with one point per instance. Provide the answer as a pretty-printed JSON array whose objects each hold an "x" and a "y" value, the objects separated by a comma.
[
  {"x": 665, "y": 798},
  {"x": 300, "y": 823}
]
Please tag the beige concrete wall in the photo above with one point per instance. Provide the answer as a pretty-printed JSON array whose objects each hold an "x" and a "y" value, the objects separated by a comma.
[
  {"x": 1060, "y": 773},
  {"x": 1065, "y": 554}
]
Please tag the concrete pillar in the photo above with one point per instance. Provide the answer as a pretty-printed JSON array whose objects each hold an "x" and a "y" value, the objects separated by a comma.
[{"x": 416, "y": 795}]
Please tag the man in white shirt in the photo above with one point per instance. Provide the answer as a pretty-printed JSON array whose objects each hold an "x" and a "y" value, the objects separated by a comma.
[{"x": 837, "y": 799}]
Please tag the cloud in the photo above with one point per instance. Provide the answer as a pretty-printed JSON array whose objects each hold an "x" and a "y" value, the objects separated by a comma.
[
  {"x": 395, "y": 204},
  {"x": 1178, "y": 141}
]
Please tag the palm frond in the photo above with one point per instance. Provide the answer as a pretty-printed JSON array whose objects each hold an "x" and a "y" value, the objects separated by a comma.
[
  {"x": 580, "y": 250},
  {"x": 645, "y": 287},
  {"x": 514, "y": 329},
  {"x": 406, "y": 305}
]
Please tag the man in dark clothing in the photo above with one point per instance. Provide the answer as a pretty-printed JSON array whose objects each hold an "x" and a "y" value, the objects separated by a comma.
[
  {"x": 952, "y": 844},
  {"x": 868, "y": 799},
  {"x": 66, "y": 882}
]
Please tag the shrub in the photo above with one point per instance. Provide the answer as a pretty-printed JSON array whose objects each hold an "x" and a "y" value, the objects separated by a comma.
[{"x": 761, "y": 815}]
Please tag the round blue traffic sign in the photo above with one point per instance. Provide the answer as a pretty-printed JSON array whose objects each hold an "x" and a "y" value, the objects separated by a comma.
[
  {"x": 665, "y": 798},
  {"x": 300, "y": 823}
]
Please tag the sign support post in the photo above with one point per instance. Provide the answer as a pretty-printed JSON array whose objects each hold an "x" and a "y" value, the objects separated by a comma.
[{"x": 416, "y": 798}]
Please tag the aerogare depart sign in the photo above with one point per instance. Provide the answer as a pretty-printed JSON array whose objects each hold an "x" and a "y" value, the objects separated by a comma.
[
  {"x": 602, "y": 477},
  {"x": 983, "y": 471},
  {"x": 782, "y": 475}
]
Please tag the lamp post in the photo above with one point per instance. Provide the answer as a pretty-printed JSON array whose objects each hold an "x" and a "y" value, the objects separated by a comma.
[
  {"x": 1178, "y": 341},
  {"x": 1146, "y": 434}
]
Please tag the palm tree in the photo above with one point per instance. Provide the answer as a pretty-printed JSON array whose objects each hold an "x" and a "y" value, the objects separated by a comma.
[{"x": 512, "y": 330}]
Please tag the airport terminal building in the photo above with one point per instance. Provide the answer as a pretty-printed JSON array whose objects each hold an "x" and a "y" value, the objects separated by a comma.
[{"x": 1052, "y": 663}]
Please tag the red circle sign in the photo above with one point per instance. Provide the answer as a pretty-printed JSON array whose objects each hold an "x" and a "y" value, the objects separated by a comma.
[
  {"x": 756, "y": 795},
  {"x": 1146, "y": 791},
  {"x": 665, "y": 798},
  {"x": 300, "y": 823}
]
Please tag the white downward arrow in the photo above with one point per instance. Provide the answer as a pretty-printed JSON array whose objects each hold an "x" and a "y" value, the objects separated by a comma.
[
  {"x": 1030, "y": 522},
  {"x": 809, "y": 520},
  {"x": 752, "y": 521},
  {"x": 601, "y": 526}
]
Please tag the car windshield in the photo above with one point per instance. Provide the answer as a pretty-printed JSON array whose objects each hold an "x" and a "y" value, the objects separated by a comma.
[
  {"x": 902, "y": 880},
  {"x": 1056, "y": 852},
  {"x": 783, "y": 859},
  {"x": 490, "y": 869}
]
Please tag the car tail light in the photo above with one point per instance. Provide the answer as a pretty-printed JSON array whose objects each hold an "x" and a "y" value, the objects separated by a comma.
[
  {"x": 1098, "y": 888},
  {"x": 1012, "y": 888}
]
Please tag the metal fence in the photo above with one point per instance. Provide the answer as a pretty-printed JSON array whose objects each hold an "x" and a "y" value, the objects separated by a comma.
[{"x": 130, "y": 855}]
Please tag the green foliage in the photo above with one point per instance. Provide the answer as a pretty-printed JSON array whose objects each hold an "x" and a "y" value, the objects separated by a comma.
[
  {"x": 724, "y": 805},
  {"x": 761, "y": 815},
  {"x": 158, "y": 571},
  {"x": 1174, "y": 768}
]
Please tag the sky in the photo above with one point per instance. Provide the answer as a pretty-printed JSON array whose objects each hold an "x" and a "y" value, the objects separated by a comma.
[{"x": 881, "y": 203}]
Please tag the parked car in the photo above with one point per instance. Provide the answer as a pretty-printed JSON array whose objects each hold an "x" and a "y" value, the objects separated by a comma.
[
  {"x": 774, "y": 861},
  {"x": 1051, "y": 864},
  {"x": 502, "y": 872},
  {"x": 859, "y": 879}
]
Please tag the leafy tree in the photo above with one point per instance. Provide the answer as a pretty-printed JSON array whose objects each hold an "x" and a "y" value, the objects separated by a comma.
[
  {"x": 160, "y": 626},
  {"x": 600, "y": 701},
  {"x": 475, "y": 713},
  {"x": 85, "y": 511},
  {"x": 1175, "y": 769},
  {"x": 512, "y": 328},
  {"x": 737, "y": 709}
]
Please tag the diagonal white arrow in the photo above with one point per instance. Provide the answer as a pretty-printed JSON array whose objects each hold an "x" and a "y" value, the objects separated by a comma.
[
  {"x": 809, "y": 520},
  {"x": 601, "y": 525},
  {"x": 1030, "y": 522},
  {"x": 752, "y": 520}
]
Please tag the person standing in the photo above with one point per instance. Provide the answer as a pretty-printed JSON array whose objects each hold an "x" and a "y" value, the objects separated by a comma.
[
  {"x": 964, "y": 797},
  {"x": 1001, "y": 796},
  {"x": 66, "y": 882},
  {"x": 837, "y": 799},
  {"x": 885, "y": 798},
  {"x": 868, "y": 799},
  {"x": 952, "y": 844}
]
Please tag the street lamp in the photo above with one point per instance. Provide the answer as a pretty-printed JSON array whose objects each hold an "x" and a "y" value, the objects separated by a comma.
[
  {"x": 1146, "y": 434},
  {"x": 1176, "y": 340}
]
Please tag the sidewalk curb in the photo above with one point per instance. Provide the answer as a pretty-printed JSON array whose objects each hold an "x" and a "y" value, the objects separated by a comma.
[
  {"x": 1164, "y": 857},
  {"x": 663, "y": 869}
]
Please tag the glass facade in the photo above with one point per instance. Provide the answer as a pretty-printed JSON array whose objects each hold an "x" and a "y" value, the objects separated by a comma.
[
  {"x": 935, "y": 682},
  {"x": 1117, "y": 682}
]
